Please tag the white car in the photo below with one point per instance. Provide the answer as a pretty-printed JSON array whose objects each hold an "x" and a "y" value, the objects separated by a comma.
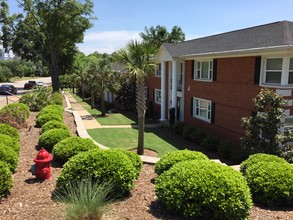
[{"x": 40, "y": 83}]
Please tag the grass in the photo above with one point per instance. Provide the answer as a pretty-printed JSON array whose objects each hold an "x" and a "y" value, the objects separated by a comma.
[{"x": 126, "y": 138}]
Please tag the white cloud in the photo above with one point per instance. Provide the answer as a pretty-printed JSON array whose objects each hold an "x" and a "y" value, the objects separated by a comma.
[{"x": 107, "y": 41}]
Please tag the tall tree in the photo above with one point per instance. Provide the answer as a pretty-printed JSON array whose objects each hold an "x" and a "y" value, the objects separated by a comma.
[
  {"x": 138, "y": 59},
  {"x": 49, "y": 31},
  {"x": 159, "y": 35}
]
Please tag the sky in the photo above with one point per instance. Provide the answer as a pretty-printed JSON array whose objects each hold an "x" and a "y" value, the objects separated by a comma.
[{"x": 119, "y": 21}]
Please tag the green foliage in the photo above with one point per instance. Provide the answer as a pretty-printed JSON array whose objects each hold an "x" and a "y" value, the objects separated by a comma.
[
  {"x": 86, "y": 197},
  {"x": 53, "y": 124},
  {"x": 224, "y": 150},
  {"x": 10, "y": 142},
  {"x": 186, "y": 131},
  {"x": 178, "y": 127},
  {"x": 102, "y": 165},
  {"x": 67, "y": 148},
  {"x": 5, "y": 73},
  {"x": 8, "y": 155},
  {"x": 5, "y": 179},
  {"x": 197, "y": 135},
  {"x": 56, "y": 99},
  {"x": 210, "y": 143},
  {"x": 37, "y": 99},
  {"x": 48, "y": 139},
  {"x": 262, "y": 131},
  {"x": 172, "y": 158},
  {"x": 44, "y": 118},
  {"x": 19, "y": 111},
  {"x": 257, "y": 158},
  {"x": 204, "y": 189},
  {"x": 10, "y": 131},
  {"x": 271, "y": 183},
  {"x": 134, "y": 158},
  {"x": 54, "y": 109},
  {"x": 287, "y": 153}
]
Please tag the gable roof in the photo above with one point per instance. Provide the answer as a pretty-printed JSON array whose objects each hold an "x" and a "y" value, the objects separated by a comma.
[{"x": 278, "y": 34}]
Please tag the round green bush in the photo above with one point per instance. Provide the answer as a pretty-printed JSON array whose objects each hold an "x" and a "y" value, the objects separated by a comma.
[
  {"x": 10, "y": 142},
  {"x": 53, "y": 124},
  {"x": 43, "y": 119},
  {"x": 102, "y": 165},
  {"x": 134, "y": 158},
  {"x": 171, "y": 158},
  {"x": 10, "y": 131},
  {"x": 55, "y": 109},
  {"x": 260, "y": 157},
  {"x": 19, "y": 111},
  {"x": 67, "y": 148},
  {"x": 271, "y": 183},
  {"x": 5, "y": 179},
  {"x": 204, "y": 189},
  {"x": 8, "y": 156},
  {"x": 56, "y": 99},
  {"x": 48, "y": 139}
]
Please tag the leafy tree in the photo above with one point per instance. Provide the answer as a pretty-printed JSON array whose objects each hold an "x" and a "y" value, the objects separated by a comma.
[
  {"x": 138, "y": 59},
  {"x": 159, "y": 35},
  {"x": 47, "y": 31},
  {"x": 263, "y": 131}
]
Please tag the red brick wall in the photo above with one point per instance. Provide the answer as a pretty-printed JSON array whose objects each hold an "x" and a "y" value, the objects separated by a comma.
[{"x": 232, "y": 93}]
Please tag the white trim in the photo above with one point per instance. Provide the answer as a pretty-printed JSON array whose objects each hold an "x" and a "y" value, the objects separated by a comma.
[
  {"x": 158, "y": 96},
  {"x": 163, "y": 91},
  {"x": 158, "y": 71},
  {"x": 209, "y": 110},
  {"x": 196, "y": 69}
]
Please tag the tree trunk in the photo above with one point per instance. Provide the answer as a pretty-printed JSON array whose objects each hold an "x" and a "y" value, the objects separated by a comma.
[
  {"x": 140, "y": 147},
  {"x": 103, "y": 105},
  {"x": 82, "y": 90},
  {"x": 54, "y": 71},
  {"x": 141, "y": 109},
  {"x": 92, "y": 100}
]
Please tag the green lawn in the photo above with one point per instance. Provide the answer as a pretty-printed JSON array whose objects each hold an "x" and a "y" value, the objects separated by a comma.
[{"x": 126, "y": 138}]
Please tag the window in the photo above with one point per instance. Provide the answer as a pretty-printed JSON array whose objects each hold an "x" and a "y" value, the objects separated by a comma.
[
  {"x": 202, "y": 109},
  {"x": 278, "y": 71},
  {"x": 204, "y": 70},
  {"x": 158, "y": 70},
  {"x": 157, "y": 96}
]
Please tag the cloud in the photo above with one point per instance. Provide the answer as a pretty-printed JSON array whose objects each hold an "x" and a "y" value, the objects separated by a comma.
[{"x": 107, "y": 41}]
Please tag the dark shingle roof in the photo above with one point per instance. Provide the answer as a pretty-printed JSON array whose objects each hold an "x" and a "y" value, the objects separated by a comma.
[{"x": 264, "y": 36}]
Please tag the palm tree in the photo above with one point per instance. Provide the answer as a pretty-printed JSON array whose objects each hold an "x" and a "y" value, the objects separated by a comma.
[
  {"x": 79, "y": 68},
  {"x": 138, "y": 59}
]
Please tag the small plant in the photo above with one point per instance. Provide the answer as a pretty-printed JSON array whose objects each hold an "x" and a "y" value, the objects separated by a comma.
[
  {"x": 43, "y": 119},
  {"x": 8, "y": 156},
  {"x": 271, "y": 183},
  {"x": 56, "y": 99},
  {"x": 5, "y": 179},
  {"x": 48, "y": 139},
  {"x": 186, "y": 131},
  {"x": 10, "y": 142},
  {"x": 67, "y": 148},
  {"x": 224, "y": 150},
  {"x": 86, "y": 198},
  {"x": 197, "y": 135},
  {"x": 209, "y": 143},
  {"x": 178, "y": 127},
  {"x": 204, "y": 189},
  {"x": 10, "y": 131},
  {"x": 53, "y": 124},
  {"x": 172, "y": 158},
  {"x": 19, "y": 111}
]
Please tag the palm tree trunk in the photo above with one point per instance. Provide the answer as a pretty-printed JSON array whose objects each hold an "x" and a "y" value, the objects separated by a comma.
[
  {"x": 103, "y": 105},
  {"x": 92, "y": 100},
  {"x": 141, "y": 109}
]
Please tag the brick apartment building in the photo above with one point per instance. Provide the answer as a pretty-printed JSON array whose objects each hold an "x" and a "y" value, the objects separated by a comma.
[{"x": 211, "y": 81}]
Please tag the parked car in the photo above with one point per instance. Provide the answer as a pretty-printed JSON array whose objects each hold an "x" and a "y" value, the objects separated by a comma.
[
  {"x": 7, "y": 89},
  {"x": 40, "y": 83},
  {"x": 30, "y": 84}
]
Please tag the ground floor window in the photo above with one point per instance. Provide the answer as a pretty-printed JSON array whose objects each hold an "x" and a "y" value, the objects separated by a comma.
[
  {"x": 157, "y": 96},
  {"x": 202, "y": 109}
]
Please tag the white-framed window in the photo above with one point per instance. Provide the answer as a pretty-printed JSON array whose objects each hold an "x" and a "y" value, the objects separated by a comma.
[
  {"x": 202, "y": 109},
  {"x": 158, "y": 70},
  {"x": 157, "y": 96},
  {"x": 278, "y": 71},
  {"x": 203, "y": 70}
]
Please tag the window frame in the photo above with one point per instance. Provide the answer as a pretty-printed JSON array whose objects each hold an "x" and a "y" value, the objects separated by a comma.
[
  {"x": 198, "y": 73},
  {"x": 157, "y": 96},
  {"x": 208, "y": 109},
  {"x": 158, "y": 70}
]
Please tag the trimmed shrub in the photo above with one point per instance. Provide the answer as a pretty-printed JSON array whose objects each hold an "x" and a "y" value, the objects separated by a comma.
[
  {"x": 67, "y": 148},
  {"x": 197, "y": 135},
  {"x": 209, "y": 142},
  {"x": 257, "y": 158},
  {"x": 178, "y": 127},
  {"x": 171, "y": 158},
  {"x": 10, "y": 131},
  {"x": 271, "y": 183},
  {"x": 53, "y": 124},
  {"x": 19, "y": 111},
  {"x": 204, "y": 189},
  {"x": 56, "y": 99},
  {"x": 134, "y": 158},
  {"x": 10, "y": 142},
  {"x": 55, "y": 109},
  {"x": 5, "y": 179},
  {"x": 8, "y": 156},
  {"x": 48, "y": 139},
  {"x": 102, "y": 165},
  {"x": 43, "y": 119},
  {"x": 224, "y": 150},
  {"x": 186, "y": 131}
]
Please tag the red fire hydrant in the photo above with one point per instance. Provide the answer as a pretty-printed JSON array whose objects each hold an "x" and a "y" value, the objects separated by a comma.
[{"x": 42, "y": 167}]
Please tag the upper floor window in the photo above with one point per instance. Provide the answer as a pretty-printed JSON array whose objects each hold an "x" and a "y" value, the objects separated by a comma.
[
  {"x": 158, "y": 70},
  {"x": 278, "y": 71},
  {"x": 157, "y": 96},
  {"x": 204, "y": 70},
  {"x": 202, "y": 109}
]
